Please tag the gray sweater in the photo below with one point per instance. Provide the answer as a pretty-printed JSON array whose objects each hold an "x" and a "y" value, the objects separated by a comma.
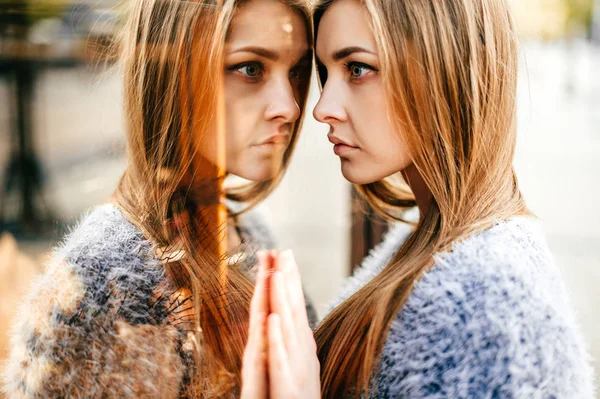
[
  {"x": 491, "y": 319},
  {"x": 103, "y": 321}
]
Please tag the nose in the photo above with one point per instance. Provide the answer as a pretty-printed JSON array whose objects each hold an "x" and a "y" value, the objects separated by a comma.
[
  {"x": 329, "y": 109},
  {"x": 281, "y": 103}
]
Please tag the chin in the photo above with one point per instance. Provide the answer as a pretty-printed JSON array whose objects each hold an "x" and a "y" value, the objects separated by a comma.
[
  {"x": 256, "y": 173},
  {"x": 361, "y": 174},
  {"x": 355, "y": 175},
  {"x": 359, "y": 180}
]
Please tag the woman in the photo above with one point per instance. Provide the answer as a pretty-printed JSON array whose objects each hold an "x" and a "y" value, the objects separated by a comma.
[
  {"x": 149, "y": 296},
  {"x": 469, "y": 304}
]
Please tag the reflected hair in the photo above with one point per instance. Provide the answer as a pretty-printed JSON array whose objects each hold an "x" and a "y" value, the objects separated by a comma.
[{"x": 172, "y": 58}]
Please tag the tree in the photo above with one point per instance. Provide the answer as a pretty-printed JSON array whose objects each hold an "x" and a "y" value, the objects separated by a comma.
[
  {"x": 24, "y": 13},
  {"x": 580, "y": 15}
]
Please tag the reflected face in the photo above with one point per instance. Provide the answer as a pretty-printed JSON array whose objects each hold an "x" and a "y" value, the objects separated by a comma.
[
  {"x": 267, "y": 62},
  {"x": 353, "y": 101}
]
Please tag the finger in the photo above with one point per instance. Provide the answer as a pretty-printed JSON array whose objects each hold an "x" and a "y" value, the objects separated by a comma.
[
  {"x": 281, "y": 306},
  {"x": 294, "y": 287},
  {"x": 260, "y": 300},
  {"x": 280, "y": 374},
  {"x": 293, "y": 275},
  {"x": 254, "y": 368},
  {"x": 304, "y": 333},
  {"x": 256, "y": 346},
  {"x": 258, "y": 314},
  {"x": 295, "y": 278}
]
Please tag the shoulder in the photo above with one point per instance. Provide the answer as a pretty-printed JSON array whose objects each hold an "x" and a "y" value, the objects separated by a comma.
[
  {"x": 93, "y": 309},
  {"x": 106, "y": 255},
  {"x": 104, "y": 233},
  {"x": 491, "y": 318}
]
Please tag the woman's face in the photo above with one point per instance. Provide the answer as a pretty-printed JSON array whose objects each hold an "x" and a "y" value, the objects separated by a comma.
[
  {"x": 267, "y": 62},
  {"x": 353, "y": 103}
]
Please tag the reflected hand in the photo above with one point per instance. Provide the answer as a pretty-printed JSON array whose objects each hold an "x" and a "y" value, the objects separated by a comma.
[
  {"x": 254, "y": 365},
  {"x": 293, "y": 365}
]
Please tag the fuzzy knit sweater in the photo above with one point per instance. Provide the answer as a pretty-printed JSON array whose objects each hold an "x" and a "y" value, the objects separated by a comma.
[
  {"x": 491, "y": 319},
  {"x": 97, "y": 323}
]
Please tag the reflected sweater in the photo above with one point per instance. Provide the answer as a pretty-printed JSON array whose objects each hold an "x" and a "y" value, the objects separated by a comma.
[
  {"x": 490, "y": 319},
  {"x": 98, "y": 323}
]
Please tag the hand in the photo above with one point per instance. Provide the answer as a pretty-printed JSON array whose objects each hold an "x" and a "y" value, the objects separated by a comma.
[
  {"x": 293, "y": 366},
  {"x": 254, "y": 365}
]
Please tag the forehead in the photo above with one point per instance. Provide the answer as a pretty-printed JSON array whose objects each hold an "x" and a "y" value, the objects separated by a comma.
[
  {"x": 268, "y": 23},
  {"x": 346, "y": 23}
]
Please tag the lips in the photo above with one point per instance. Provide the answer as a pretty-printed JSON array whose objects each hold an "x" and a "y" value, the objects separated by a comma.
[
  {"x": 279, "y": 138},
  {"x": 340, "y": 146},
  {"x": 338, "y": 141}
]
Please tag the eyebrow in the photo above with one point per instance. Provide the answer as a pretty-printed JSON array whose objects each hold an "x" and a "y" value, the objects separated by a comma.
[
  {"x": 345, "y": 52},
  {"x": 260, "y": 51},
  {"x": 269, "y": 54}
]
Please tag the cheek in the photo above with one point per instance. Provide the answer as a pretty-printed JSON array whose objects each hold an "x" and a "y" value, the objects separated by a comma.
[
  {"x": 242, "y": 119},
  {"x": 387, "y": 147},
  {"x": 395, "y": 154},
  {"x": 383, "y": 152},
  {"x": 369, "y": 117}
]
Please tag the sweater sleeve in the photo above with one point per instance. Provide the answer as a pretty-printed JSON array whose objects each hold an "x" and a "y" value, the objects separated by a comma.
[
  {"x": 483, "y": 338},
  {"x": 71, "y": 340}
]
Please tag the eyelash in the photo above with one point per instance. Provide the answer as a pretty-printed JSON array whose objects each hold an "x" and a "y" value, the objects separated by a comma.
[
  {"x": 301, "y": 70},
  {"x": 298, "y": 70},
  {"x": 352, "y": 64},
  {"x": 259, "y": 65}
]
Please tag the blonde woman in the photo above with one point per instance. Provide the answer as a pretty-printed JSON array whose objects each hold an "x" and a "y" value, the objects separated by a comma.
[
  {"x": 420, "y": 97},
  {"x": 149, "y": 295}
]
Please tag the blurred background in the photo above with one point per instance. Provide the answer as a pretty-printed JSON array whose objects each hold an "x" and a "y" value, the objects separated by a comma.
[{"x": 62, "y": 148}]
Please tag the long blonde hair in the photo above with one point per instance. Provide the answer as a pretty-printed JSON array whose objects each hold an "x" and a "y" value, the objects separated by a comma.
[
  {"x": 449, "y": 69},
  {"x": 173, "y": 70}
]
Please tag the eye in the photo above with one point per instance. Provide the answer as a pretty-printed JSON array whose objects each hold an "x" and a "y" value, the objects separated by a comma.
[
  {"x": 296, "y": 73},
  {"x": 252, "y": 70},
  {"x": 358, "y": 70},
  {"x": 300, "y": 71}
]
